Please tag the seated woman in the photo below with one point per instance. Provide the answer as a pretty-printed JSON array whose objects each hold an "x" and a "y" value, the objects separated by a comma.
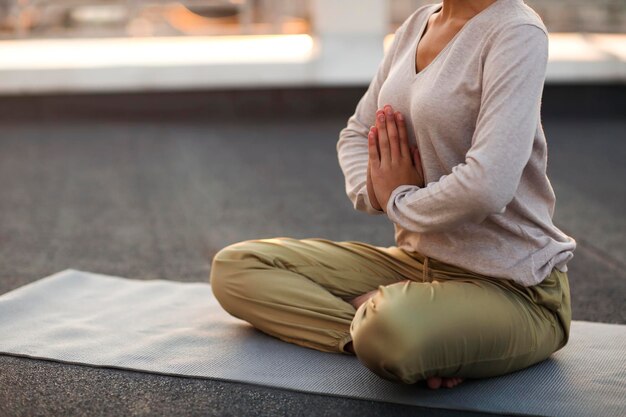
[{"x": 447, "y": 142}]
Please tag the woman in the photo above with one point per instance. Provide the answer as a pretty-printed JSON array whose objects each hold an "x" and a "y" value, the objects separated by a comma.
[{"x": 447, "y": 142}]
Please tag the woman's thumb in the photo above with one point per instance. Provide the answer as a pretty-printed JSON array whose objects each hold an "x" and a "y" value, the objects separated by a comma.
[{"x": 415, "y": 154}]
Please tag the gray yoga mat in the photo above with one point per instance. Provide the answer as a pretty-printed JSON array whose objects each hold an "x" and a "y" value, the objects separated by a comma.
[{"x": 178, "y": 328}]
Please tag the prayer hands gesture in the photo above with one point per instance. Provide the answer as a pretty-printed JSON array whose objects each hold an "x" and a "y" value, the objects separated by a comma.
[{"x": 392, "y": 162}]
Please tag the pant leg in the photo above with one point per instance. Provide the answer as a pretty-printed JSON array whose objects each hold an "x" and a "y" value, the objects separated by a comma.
[
  {"x": 296, "y": 290},
  {"x": 457, "y": 325}
]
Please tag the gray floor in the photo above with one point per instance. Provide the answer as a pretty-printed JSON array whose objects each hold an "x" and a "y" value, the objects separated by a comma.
[{"x": 157, "y": 199}]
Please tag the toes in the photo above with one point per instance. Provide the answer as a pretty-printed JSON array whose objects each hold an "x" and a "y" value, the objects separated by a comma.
[
  {"x": 434, "y": 382},
  {"x": 456, "y": 381},
  {"x": 451, "y": 382}
]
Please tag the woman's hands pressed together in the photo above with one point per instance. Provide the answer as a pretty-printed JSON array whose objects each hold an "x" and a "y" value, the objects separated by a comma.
[{"x": 392, "y": 162}]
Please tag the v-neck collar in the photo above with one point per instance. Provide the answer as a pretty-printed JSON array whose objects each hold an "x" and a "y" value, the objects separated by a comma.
[{"x": 436, "y": 8}]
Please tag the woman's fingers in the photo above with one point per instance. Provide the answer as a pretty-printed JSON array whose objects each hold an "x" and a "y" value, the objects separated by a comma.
[
  {"x": 403, "y": 135},
  {"x": 417, "y": 163},
  {"x": 383, "y": 139},
  {"x": 392, "y": 133},
  {"x": 374, "y": 157},
  {"x": 417, "y": 160}
]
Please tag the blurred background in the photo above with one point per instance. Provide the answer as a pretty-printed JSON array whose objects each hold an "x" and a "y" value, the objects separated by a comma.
[
  {"x": 85, "y": 18},
  {"x": 114, "y": 45},
  {"x": 138, "y": 138}
]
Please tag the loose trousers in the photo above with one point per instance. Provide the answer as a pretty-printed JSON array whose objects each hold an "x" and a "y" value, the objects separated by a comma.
[{"x": 426, "y": 319}]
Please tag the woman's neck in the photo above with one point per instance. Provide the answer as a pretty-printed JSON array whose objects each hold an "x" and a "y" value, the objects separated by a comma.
[{"x": 462, "y": 10}]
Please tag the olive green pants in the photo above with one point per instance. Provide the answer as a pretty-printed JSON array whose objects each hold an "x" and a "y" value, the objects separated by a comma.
[{"x": 426, "y": 319}]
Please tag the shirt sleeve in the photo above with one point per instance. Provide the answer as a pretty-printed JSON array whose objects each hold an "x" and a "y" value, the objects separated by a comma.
[
  {"x": 352, "y": 144},
  {"x": 513, "y": 77}
]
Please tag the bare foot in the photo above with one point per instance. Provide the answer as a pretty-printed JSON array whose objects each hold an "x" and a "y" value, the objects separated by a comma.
[
  {"x": 357, "y": 301},
  {"x": 435, "y": 382}
]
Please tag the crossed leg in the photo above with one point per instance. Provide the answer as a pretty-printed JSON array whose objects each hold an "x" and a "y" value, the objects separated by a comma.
[
  {"x": 433, "y": 382},
  {"x": 300, "y": 291}
]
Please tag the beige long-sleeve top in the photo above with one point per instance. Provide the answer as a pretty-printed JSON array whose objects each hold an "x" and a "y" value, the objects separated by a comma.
[{"x": 474, "y": 113}]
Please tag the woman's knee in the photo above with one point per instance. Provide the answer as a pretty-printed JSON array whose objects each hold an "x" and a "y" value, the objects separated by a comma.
[
  {"x": 383, "y": 340},
  {"x": 409, "y": 332},
  {"x": 447, "y": 329},
  {"x": 228, "y": 267},
  {"x": 236, "y": 271}
]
